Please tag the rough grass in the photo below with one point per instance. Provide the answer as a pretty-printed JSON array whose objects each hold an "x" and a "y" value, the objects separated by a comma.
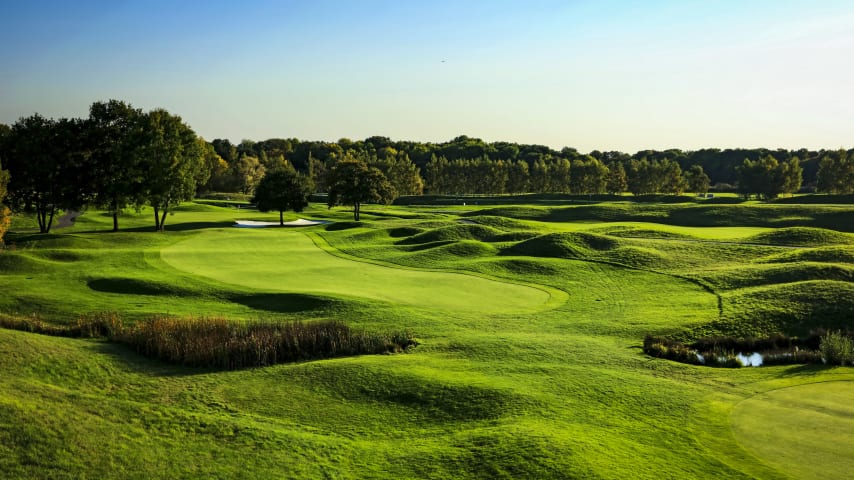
[{"x": 498, "y": 388}]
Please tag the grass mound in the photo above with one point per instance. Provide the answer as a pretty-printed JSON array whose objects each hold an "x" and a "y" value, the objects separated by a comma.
[
  {"x": 526, "y": 267},
  {"x": 440, "y": 401},
  {"x": 562, "y": 245},
  {"x": 831, "y": 254},
  {"x": 400, "y": 232},
  {"x": 470, "y": 249},
  {"x": 503, "y": 223},
  {"x": 638, "y": 232},
  {"x": 790, "y": 308},
  {"x": 336, "y": 226},
  {"x": 801, "y": 237},
  {"x": 453, "y": 233},
  {"x": 431, "y": 398},
  {"x": 61, "y": 255},
  {"x": 639, "y": 257},
  {"x": 17, "y": 263},
  {"x": 777, "y": 273},
  {"x": 132, "y": 286}
]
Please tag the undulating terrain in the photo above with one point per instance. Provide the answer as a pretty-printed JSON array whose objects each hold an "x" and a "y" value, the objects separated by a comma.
[{"x": 529, "y": 321}]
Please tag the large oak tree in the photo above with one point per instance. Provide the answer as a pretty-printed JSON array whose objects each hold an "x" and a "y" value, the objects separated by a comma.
[
  {"x": 283, "y": 189},
  {"x": 172, "y": 163},
  {"x": 352, "y": 182}
]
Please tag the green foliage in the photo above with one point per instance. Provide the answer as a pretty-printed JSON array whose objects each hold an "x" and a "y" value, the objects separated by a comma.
[
  {"x": 173, "y": 163},
  {"x": 836, "y": 173},
  {"x": 768, "y": 178},
  {"x": 5, "y": 214},
  {"x": 116, "y": 137},
  {"x": 46, "y": 160},
  {"x": 352, "y": 182},
  {"x": 697, "y": 180},
  {"x": 283, "y": 189},
  {"x": 837, "y": 348}
]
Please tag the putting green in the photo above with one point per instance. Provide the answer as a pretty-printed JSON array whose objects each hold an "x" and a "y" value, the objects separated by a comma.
[
  {"x": 805, "y": 431},
  {"x": 287, "y": 260}
]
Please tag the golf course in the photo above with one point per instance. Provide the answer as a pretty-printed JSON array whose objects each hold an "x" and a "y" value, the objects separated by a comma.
[{"x": 528, "y": 322}]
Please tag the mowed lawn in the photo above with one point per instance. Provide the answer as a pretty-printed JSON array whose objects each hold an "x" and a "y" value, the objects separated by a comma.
[
  {"x": 807, "y": 430},
  {"x": 288, "y": 260},
  {"x": 529, "y": 363}
]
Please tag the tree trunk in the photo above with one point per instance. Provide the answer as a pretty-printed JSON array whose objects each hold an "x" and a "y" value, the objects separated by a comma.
[
  {"x": 281, "y": 219},
  {"x": 40, "y": 214},
  {"x": 156, "y": 219},
  {"x": 115, "y": 221},
  {"x": 50, "y": 219},
  {"x": 356, "y": 211},
  {"x": 163, "y": 218}
]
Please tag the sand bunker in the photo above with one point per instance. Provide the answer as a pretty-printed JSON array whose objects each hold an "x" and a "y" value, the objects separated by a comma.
[{"x": 300, "y": 222}]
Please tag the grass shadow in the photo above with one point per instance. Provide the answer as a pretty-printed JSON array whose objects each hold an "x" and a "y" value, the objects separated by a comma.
[
  {"x": 286, "y": 302},
  {"x": 132, "y": 286}
]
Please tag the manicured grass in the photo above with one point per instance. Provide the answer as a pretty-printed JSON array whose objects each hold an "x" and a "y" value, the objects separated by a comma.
[
  {"x": 530, "y": 322},
  {"x": 287, "y": 260},
  {"x": 805, "y": 431}
]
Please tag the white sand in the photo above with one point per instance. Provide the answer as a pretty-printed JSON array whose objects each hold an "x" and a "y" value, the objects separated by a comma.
[{"x": 300, "y": 222}]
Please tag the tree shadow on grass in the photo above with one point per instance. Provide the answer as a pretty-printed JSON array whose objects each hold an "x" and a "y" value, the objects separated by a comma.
[
  {"x": 803, "y": 370},
  {"x": 175, "y": 227}
]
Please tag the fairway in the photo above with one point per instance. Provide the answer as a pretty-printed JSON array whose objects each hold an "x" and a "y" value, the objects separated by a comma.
[
  {"x": 806, "y": 431},
  {"x": 286, "y": 260}
]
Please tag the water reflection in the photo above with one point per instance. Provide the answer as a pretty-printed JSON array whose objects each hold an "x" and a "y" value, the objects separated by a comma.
[{"x": 753, "y": 360}]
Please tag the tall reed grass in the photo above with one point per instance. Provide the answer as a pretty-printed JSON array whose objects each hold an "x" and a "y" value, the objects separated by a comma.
[{"x": 219, "y": 343}]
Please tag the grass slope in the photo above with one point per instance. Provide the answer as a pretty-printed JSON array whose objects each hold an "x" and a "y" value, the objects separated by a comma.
[{"x": 503, "y": 384}]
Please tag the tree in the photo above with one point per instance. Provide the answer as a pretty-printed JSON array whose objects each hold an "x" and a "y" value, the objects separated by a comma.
[
  {"x": 172, "y": 163},
  {"x": 518, "y": 176},
  {"x": 115, "y": 136},
  {"x": 247, "y": 172},
  {"x": 400, "y": 172},
  {"x": 353, "y": 182},
  {"x": 669, "y": 175},
  {"x": 5, "y": 217},
  {"x": 616, "y": 182},
  {"x": 215, "y": 166},
  {"x": 283, "y": 189},
  {"x": 791, "y": 174},
  {"x": 836, "y": 173},
  {"x": 46, "y": 160},
  {"x": 698, "y": 181},
  {"x": 768, "y": 178},
  {"x": 5, "y": 214}
]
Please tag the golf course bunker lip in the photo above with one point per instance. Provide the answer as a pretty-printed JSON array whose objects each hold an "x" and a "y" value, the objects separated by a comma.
[
  {"x": 273, "y": 261},
  {"x": 805, "y": 430},
  {"x": 300, "y": 222}
]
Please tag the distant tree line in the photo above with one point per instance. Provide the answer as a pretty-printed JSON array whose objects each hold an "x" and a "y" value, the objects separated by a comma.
[
  {"x": 468, "y": 165},
  {"x": 121, "y": 157}
]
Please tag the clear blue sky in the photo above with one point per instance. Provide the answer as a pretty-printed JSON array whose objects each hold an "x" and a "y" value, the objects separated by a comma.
[{"x": 599, "y": 74}]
